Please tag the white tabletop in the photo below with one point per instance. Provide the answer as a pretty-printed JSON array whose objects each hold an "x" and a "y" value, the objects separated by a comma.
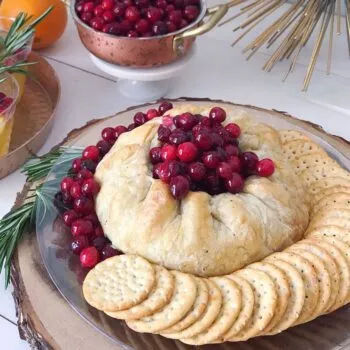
[{"x": 217, "y": 71}]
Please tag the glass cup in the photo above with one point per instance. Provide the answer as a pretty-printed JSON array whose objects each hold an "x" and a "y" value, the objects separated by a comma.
[
  {"x": 9, "y": 94},
  {"x": 19, "y": 56}
]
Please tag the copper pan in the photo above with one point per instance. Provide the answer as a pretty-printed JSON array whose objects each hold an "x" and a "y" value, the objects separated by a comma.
[{"x": 147, "y": 52}]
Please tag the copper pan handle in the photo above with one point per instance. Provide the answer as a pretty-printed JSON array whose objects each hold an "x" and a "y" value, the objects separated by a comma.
[{"x": 215, "y": 13}]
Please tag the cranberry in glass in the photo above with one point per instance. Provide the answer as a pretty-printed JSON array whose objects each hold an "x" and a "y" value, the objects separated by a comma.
[
  {"x": 103, "y": 147},
  {"x": 197, "y": 171},
  {"x": 81, "y": 227},
  {"x": 76, "y": 165},
  {"x": 187, "y": 152},
  {"x": 249, "y": 161},
  {"x": 108, "y": 16},
  {"x": 100, "y": 242},
  {"x": 168, "y": 152},
  {"x": 75, "y": 191},
  {"x": 108, "y": 252},
  {"x": 66, "y": 184},
  {"x": 83, "y": 205},
  {"x": 235, "y": 163},
  {"x": 84, "y": 174},
  {"x": 90, "y": 188},
  {"x": 89, "y": 257},
  {"x": 132, "y": 14},
  {"x": 154, "y": 14},
  {"x": 88, "y": 6},
  {"x": 191, "y": 12},
  {"x": 93, "y": 218},
  {"x": 177, "y": 137},
  {"x": 98, "y": 11},
  {"x": 172, "y": 27},
  {"x": 164, "y": 107},
  {"x": 265, "y": 167},
  {"x": 89, "y": 165},
  {"x": 86, "y": 17},
  {"x": 69, "y": 216},
  {"x": 163, "y": 172},
  {"x": 231, "y": 150},
  {"x": 179, "y": 186},
  {"x": 160, "y": 28},
  {"x": 233, "y": 129},
  {"x": 155, "y": 155},
  {"x": 175, "y": 17},
  {"x": 108, "y": 134},
  {"x": 99, "y": 231},
  {"x": 91, "y": 152},
  {"x": 152, "y": 113},
  {"x": 119, "y": 9},
  {"x": 133, "y": 34},
  {"x": 107, "y": 4},
  {"x": 79, "y": 243},
  {"x": 217, "y": 115},
  {"x": 235, "y": 183},
  {"x": 203, "y": 140},
  {"x": 224, "y": 170},
  {"x": 97, "y": 23},
  {"x": 211, "y": 159}
]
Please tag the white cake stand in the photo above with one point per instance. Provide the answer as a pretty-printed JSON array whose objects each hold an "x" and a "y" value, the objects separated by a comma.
[{"x": 144, "y": 84}]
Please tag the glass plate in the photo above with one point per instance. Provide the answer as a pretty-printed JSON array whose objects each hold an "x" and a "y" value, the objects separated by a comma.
[{"x": 327, "y": 332}]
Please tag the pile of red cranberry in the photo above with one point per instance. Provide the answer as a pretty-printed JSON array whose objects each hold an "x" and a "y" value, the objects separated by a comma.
[
  {"x": 138, "y": 18},
  {"x": 198, "y": 153},
  {"x": 76, "y": 198}
]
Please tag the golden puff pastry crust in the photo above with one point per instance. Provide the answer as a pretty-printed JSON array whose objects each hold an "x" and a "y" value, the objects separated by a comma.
[{"x": 202, "y": 234}]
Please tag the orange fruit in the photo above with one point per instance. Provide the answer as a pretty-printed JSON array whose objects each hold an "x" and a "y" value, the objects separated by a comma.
[{"x": 50, "y": 29}]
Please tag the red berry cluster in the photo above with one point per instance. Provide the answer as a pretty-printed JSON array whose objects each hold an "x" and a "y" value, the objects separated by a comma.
[
  {"x": 5, "y": 102},
  {"x": 79, "y": 190},
  {"x": 137, "y": 18},
  {"x": 198, "y": 153}
]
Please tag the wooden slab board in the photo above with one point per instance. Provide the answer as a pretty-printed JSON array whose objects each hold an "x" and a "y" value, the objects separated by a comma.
[{"x": 47, "y": 321}]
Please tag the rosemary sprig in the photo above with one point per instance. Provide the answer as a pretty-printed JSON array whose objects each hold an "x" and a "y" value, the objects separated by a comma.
[{"x": 22, "y": 219}]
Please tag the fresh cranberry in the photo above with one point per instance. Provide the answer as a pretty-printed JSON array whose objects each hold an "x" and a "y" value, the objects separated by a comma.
[
  {"x": 83, "y": 205},
  {"x": 79, "y": 6},
  {"x": 126, "y": 26},
  {"x": 154, "y": 14},
  {"x": 108, "y": 134},
  {"x": 179, "y": 4},
  {"x": 217, "y": 115},
  {"x": 265, "y": 167},
  {"x": 103, "y": 147},
  {"x": 176, "y": 168},
  {"x": 236, "y": 164},
  {"x": 69, "y": 216},
  {"x": 99, "y": 231},
  {"x": 168, "y": 152},
  {"x": 112, "y": 28},
  {"x": 179, "y": 186},
  {"x": 98, "y": 11},
  {"x": 84, "y": 174},
  {"x": 131, "y": 126},
  {"x": 67, "y": 199},
  {"x": 177, "y": 137},
  {"x": 197, "y": 171},
  {"x": 128, "y": 2},
  {"x": 91, "y": 152},
  {"x": 231, "y": 150},
  {"x": 163, "y": 172},
  {"x": 155, "y": 170},
  {"x": 164, "y": 107},
  {"x": 119, "y": 9},
  {"x": 235, "y": 183},
  {"x": 155, "y": 155},
  {"x": 162, "y": 4},
  {"x": 142, "y": 3},
  {"x": 107, "y": 4},
  {"x": 89, "y": 257},
  {"x": 120, "y": 129},
  {"x": 186, "y": 121},
  {"x": 187, "y": 152},
  {"x": 75, "y": 191},
  {"x": 76, "y": 165},
  {"x": 88, "y": 6},
  {"x": 79, "y": 243},
  {"x": 89, "y": 165},
  {"x": 217, "y": 140},
  {"x": 170, "y": 8},
  {"x": 133, "y": 34},
  {"x": 152, "y": 113},
  {"x": 191, "y": 12},
  {"x": 90, "y": 188},
  {"x": 108, "y": 252},
  {"x": 249, "y": 161},
  {"x": 142, "y": 26},
  {"x": 233, "y": 129},
  {"x": 203, "y": 140},
  {"x": 108, "y": 16},
  {"x": 86, "y": 17},
  {"x": 160, "y": 28},
  {"x": 81, "y": 227},
  {"x": 140, "y": 118},
  {"x": 224, "y": 170},
  {"x": 132, "y": 14},
  {"x": 211, "y": 159},
  {"x": 184, "y": 23},
  {"x": 100, "y": 242},
  {"x": 167, "y": 121},
  {"x": 212, "y": 183},
  {"x": 97, "y": 23},
  {"x": 222, "y": 154},
  {"x": 93, "y": 219},
  {"x": 163, "y": 133},
  {"x": 172, "y": 27},
  {"x": 175, "y": 17},
  {"x": 66, "y": 184}
]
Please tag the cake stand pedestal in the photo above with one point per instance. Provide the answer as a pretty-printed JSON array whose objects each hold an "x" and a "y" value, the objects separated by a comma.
[{"x": 144, "y": 84}]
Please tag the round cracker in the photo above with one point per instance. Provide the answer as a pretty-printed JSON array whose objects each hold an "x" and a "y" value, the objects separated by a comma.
[
  {"x": 296, "y": 148},
  {"x": 332, "y": 267},
  {"x": 265, "y": 296},
  {"x": 329, "y": 231},
  {"x": 291, "y": 135},
  {"x": 208, "y": 317},
  {"x": 327, "y": 182},
  {"x": 324, "y": 281},
  {"x": 159, "y": 296},
  {"x": 247, "y": 307},
  {"x": 185, "y": 291},
  {"x": 297, "y": 296},
  {"x": 329, "y": 201},
  {"x": 308, "y": 274},
  {"x": 330, "y": 221},
  {"x": 282, "y": 288},
  {"x": 230, "y": 308},
  {"x": 321, "y": 171},
  {"x": 308, "y": 161},
  {"x": 335, "y": 212},
  {"x": 330, "y": 190},
  {"x": 343, "y": 267},
  {"x": 197, "y": 310},
  {"x": 119, "y": 283}
]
